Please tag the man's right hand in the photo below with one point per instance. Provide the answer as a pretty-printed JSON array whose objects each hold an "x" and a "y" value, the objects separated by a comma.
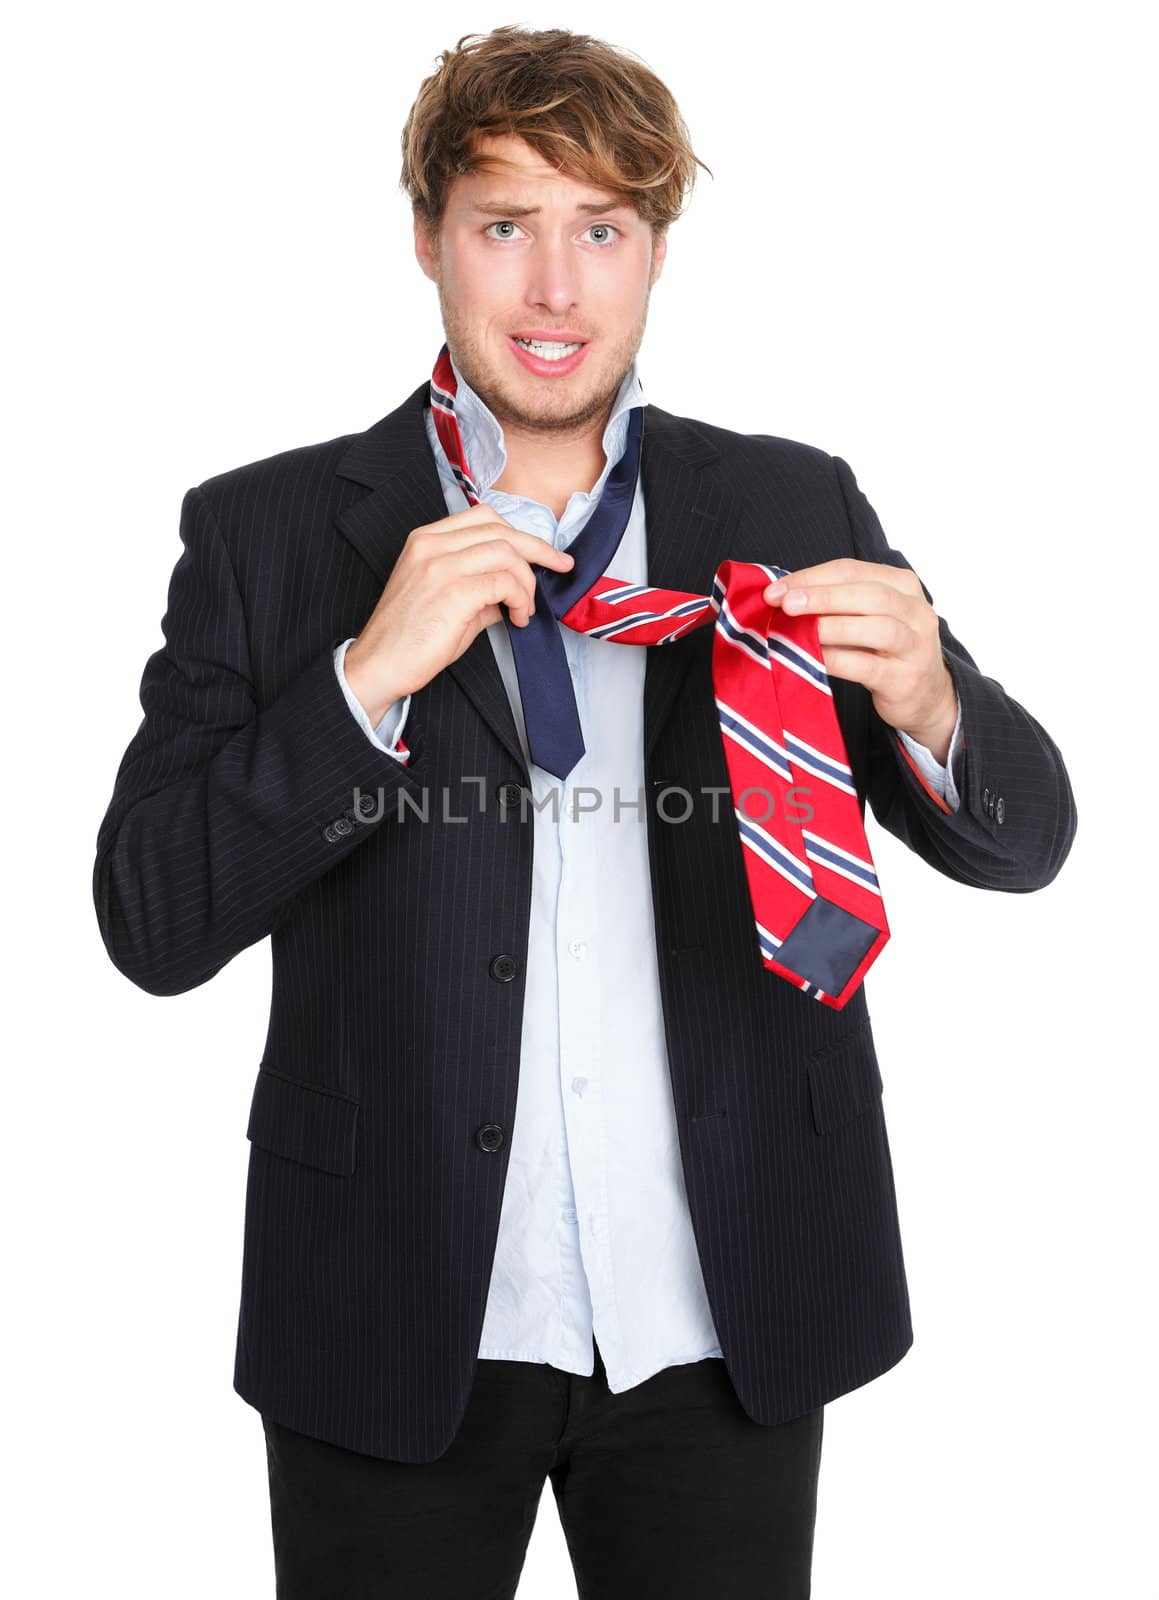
[{"x": 446, "y": 587}]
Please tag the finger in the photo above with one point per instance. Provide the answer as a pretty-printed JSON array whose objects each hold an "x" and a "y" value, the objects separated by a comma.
[
  {"x": 497, "y": 587},
  {"x": 867, "y": 597},
  {"x": 859, "y": 666},
  {"x": 881, "y": 631},
  {"x": 530, "y": 546},
  {"x": 846, "y": 569},
  {"x": 489, "y": 555}
]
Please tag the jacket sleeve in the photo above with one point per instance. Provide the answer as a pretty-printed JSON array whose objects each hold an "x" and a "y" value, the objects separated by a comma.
[
  {"x": 223, "y": 810},
  {"x": 1016, "y": 819}
]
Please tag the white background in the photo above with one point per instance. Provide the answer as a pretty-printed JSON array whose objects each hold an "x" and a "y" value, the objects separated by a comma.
[{"x": 925, "y": 249}]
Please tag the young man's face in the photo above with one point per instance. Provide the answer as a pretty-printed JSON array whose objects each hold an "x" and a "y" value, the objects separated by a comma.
[{"x": 524, "y": 250}]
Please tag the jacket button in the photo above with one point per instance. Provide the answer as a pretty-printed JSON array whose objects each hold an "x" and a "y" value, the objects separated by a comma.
[
  {"x": 331, "y": 834},
  {"x": 1001, "y": 811},
  {"x": 509, "y": 794},
  {"x": 985, "y": 799},
  {"x": 503, "y": 968},
  {"x": 489, "y": 1137}
]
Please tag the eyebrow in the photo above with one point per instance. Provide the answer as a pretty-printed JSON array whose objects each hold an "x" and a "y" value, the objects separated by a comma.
[{"x": 502, "y": 208}]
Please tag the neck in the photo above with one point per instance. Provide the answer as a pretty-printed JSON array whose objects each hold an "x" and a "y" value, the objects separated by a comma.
[{"x": 551, "y": 468}]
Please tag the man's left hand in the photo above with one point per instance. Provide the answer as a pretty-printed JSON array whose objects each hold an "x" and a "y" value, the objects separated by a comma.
[{"x": 876, "y": 627}]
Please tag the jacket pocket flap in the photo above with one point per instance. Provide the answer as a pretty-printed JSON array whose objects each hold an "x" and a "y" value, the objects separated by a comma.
[
  {"x": 302, "y": 1122},
  {"x": 844, "y": 1078}
]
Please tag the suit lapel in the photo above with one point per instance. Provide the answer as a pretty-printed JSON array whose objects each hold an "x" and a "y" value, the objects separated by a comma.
[
  {"x": 394, "y": 458},
  {"x": 690, "y": 510}
]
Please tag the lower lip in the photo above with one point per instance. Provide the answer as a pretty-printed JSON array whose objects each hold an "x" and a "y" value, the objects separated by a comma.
[{"x": 548, "y": 369}]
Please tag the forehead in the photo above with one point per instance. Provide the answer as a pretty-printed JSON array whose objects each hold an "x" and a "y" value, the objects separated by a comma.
[{"x": 507, "y": 168}]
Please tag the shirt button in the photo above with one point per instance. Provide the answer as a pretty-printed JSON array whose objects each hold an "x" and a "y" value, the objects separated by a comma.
[
  {"x": 579, "y": 1085},
  {"x": 578, "y": 949},
  {"x": 569, "y": 1214}
]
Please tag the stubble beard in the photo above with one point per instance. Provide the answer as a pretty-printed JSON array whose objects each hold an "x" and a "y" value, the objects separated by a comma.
[{"x": 557, "y": 412}]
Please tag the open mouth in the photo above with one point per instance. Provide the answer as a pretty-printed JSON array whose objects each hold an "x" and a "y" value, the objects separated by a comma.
[{"x": 548, "y": 349}]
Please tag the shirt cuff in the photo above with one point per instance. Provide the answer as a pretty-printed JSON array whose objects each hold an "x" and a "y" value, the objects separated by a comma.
[
  {"x": 387, "y": 735},
  {"x": 941, "y": 778}
]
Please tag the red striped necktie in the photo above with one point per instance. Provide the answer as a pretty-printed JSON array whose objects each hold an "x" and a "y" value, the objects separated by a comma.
[{"x": 817, "y": 907}]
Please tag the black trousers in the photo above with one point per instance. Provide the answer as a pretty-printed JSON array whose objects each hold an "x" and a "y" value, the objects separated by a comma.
[{"x": 669, "y": 1489}]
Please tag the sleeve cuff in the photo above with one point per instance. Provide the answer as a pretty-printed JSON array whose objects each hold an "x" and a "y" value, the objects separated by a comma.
[
  {"x": 387, "y": 736},
  {"x": 938, "y": 781}
]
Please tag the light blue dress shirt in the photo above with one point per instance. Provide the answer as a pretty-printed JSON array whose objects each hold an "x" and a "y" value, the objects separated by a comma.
[{"x": 595, "y": 1234}]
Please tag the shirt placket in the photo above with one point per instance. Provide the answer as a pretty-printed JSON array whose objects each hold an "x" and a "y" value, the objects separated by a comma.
[{"x": 580, "y": 1020}]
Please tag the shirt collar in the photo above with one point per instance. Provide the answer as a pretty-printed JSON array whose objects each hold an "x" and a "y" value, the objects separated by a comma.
[{"x": 482, "y": 433}]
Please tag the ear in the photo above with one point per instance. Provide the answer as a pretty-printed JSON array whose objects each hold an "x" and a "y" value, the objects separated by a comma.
[
  {"x": 426, "y": 248},
  {"x": 659, "y": 251}
]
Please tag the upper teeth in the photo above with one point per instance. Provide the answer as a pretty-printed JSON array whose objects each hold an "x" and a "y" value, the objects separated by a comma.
[{"x": 549, "y": 349}]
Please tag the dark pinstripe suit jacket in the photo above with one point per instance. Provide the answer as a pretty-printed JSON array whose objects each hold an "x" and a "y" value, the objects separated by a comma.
[{"x": 399, "y": 946}]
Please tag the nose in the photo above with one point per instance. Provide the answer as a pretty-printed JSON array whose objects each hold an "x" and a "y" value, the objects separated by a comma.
[{"x": 554, "y": 276}]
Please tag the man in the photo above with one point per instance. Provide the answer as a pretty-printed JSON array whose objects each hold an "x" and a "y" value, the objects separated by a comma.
[{"x": 552, "y": 1173}]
